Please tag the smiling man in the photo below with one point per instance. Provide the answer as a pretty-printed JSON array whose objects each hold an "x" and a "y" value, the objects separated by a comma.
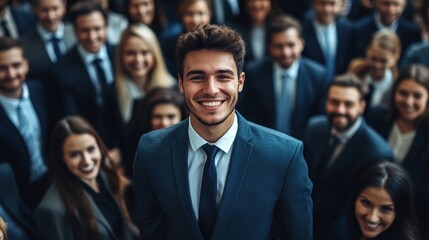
[
  {"x": 336, "y": 147},
  {"x": 214, "y": 175}
]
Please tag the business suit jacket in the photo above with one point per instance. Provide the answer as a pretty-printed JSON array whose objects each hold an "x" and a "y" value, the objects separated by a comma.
[
  {"x": 14, "y": 150},
  {"x": 417, "y": 53},
  {"x": 267, "y": 179},
  {"x": 38, "y": 58},
  {"x": 408, "y": 32},
  {"x": 11, "y": 202},
  {"x": 51, "y": 217},
  {"x": 332, "y": 185},
  {"x": 258, "y": 103},
  {"x": 416, "y": 160},
  {"x": 24, "y": 20},
  {"x": 344, "y": 49},
  {"x": 78, "y": 95}
]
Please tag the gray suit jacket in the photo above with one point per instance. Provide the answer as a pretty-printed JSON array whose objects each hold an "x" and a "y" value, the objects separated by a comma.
[
  {"x": 51, "y": 219},
  {"x": 267, "y": 182}
]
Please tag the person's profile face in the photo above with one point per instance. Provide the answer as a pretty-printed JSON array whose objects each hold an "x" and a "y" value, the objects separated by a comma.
[
  {"x": 82, "y": 157},
  {"x": 326, "y": 10},
  {"x": 379, "y": 60},
  {"x": 210, "y": 88},
  {"x": 137, "y": 58},
  {"x": 196, "y": 14},
  {"x": 286, "y": 47},
  {"x": 91, "y": 31},
  {"x": 343, "y": 107},
  {"x": 390, "y": 10},
  {"x": 13, "y": 71},
  {"x": 49, "y": 13},
  {"x": 142, "y": 11},
  {"x": 258, "y": 10},
  {"x": 165, "y": 115},
  {"x": 411, "y": 100},
  {"x": 374, "y": 211}
]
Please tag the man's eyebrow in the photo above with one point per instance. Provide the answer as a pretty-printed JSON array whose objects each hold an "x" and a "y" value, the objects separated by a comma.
[{"x": 227, "y": 71}]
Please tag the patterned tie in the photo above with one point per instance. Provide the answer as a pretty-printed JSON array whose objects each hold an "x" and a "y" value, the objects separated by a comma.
[
  {"x": 284, "y": 106},
  {"x": 5, "y": 28},
  {"x": 208, "y": 204},
  {"x": 37, "y": 168},
  {"x": 55, "y": 44}
]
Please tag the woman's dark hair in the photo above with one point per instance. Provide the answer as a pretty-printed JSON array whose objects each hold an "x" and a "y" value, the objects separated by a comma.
[
  {"x": 396, "y": 181},
  {"x": 78, "y": 208},
  {"x": 211, "y": 37},
  {"x": 156, "y": 97},
  {"x": 418, "y": 73},
  {"x": 243, "y": 18},
  {"x": 159, "y": 20}
]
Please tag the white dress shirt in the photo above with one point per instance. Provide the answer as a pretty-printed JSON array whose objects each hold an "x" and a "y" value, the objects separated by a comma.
[{"x": 197, "y": 159}]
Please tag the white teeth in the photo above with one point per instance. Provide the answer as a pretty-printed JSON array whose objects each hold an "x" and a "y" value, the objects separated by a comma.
[
  {"x": 372, "y": 225},
  {"x": 87, "y": 168},
  {"x": 211, "y": 104}
]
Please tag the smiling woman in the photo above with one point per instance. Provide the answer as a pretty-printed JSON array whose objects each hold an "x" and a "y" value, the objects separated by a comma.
[
  {"x": 86, "y": 198},
  {"x": 381, "y": 206}
]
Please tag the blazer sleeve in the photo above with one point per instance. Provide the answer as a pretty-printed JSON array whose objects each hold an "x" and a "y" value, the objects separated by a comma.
[
  {"x": 53, "y": 225},
  {"x": 295, "y": 202},
  {"x": 149, "y": 217}
]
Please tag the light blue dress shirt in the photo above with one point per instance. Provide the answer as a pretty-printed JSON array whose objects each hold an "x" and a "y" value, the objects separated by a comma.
[
  {"x": 46, "y": 38},
  {"x": 197, "y": 159}
]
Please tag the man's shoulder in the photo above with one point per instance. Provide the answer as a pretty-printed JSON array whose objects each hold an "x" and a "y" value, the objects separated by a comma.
[
  {"x": 312, "y": 65},
  {"x": 262, "y": 136},
  {"x": 363, "y": 23},
  {"x": 164, "y": 136}
]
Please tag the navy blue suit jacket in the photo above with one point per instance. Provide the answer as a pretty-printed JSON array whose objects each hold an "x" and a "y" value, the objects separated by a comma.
[
  {"x": 11, "y": 202},
  {"x": 267, "y": 180},
  {"x": 78, "y": 95},
  {"x": 408, "y": 32},
  {"x": 14, "y": 150},
  {"x": 331, "y": 187},
  {"x": 345, "y": 44},
  {"x": 416, "y": 160},
  {"x": 258, "y": 103},
  {"x": 24, "y": 20}
]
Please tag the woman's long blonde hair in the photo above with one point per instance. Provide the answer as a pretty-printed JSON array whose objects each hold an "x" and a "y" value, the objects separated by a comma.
[{"x": 157, "y": 77}]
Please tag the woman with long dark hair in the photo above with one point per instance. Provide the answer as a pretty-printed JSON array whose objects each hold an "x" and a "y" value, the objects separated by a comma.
[{"x": 85, "y": 200}]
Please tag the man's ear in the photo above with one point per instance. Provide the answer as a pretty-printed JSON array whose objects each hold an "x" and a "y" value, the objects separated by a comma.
[
  {"x": 180, "y": 83},
  {"x": 241, "y": 80}
]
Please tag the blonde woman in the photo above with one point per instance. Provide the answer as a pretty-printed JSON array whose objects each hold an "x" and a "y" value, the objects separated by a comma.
[
  {"x": 379, "y": 68},
  {"x": 140, "y": 67}
]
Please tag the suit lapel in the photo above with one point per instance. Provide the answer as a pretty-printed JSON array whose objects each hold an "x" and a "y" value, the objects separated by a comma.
[
  {"x": 241, "y": 153},
  {"x": 179, "y": 158}
]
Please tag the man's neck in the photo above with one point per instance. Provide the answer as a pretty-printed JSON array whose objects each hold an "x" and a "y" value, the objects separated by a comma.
[{"x": 213, "y": 133}]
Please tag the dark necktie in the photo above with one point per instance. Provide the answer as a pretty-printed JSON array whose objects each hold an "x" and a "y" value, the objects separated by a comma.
[
  {"x": 101, "y": 77},
  {"x": 55, "y": 43},
  {"x": 334, "y": 141},
  {"x": 368, "y": 96},
  {"x": 5, "y": 28},
  {"x": 208, "y": 205}
]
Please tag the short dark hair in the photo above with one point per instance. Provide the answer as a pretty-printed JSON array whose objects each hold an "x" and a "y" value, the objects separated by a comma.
[
  {"x": 282, "y": 23},
  {"x": 211, "y": 37},
  {"x": 396, "y": 181},
  {"x": 7, "y": 43},
  {"x": 350, "y": 80},
  {"x": 418, "y": 73},
  {"x": 35, "y": 3},
  {"x": 86, "y": 8}
]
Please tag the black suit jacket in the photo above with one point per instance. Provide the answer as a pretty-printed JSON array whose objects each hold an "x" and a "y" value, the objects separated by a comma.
[
  {"x": 77, "y": 95},
  {"x": 38, "y": 58},
  {"x": 11, "y": 202},
  {"x": 258, "y": 101},
  {"x": 408, "y": 32},
  {"x": 14, "y": 151},
  {"x": 345, "y": 44},
  {"x": 332, "y": 186},
  {"x": 24, "y": 19}
]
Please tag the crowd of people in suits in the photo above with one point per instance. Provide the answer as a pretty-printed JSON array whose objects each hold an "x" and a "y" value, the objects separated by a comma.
[{"x": 85, "y": 79}]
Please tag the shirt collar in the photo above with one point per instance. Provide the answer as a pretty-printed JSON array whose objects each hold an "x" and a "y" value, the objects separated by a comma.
[
  {"x": 224, "y": 143},
  {"x": 385, "y": 82},
  {"x": 12, "y": 103},
  {"x": 134, "y": 91},
  {"x": 292, "y": 71},
  {"x": 320, "y": 26},
  {"x": 345, "y": 136},
  {"x": 88, "y": 57},
  {"x": 380, "y": 25},
  {"x": 47, "y": 35}
]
